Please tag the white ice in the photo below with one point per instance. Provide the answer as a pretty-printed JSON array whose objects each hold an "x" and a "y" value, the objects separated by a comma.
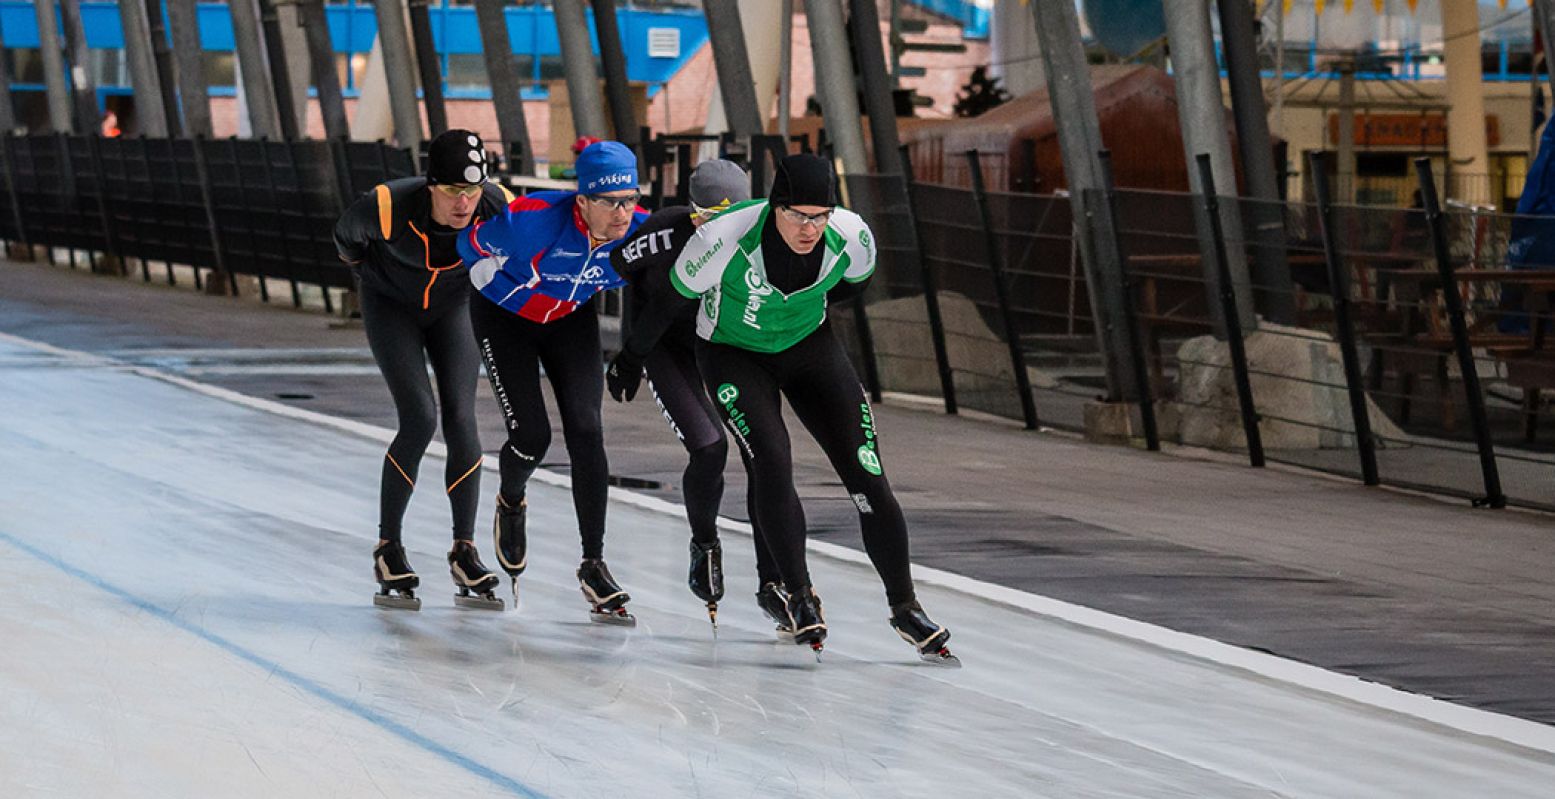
[{"x": 187, "y": 612}]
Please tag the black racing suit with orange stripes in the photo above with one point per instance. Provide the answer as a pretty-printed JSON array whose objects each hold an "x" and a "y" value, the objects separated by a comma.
[{"x": 415, "y": 307}]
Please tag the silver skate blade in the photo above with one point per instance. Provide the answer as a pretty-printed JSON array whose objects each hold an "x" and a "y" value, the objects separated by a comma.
[
  {"x": 394, "y": 602},
  {"x": 473, "y": 602},
  {"x": 785, "y": 635},
  {"x": 941, "y": 658},
  {"x": 619, "y": 618}
]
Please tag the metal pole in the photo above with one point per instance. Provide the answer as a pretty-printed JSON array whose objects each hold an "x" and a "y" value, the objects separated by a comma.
[
  {"x": 947, "y": 381},
  {"x": 280, "y": 71},
  {"x": 1339, "y": 286},
  {"x": 877, "y": 87},
  {"x": 321, "y": 56},
  {"x": 395, "y": 46},
  {"x": 622, "y": 116},
  {"x": 1001, "y": 287},
  {"x": 1279, "y": 70},
  {"x": 503, "y": 73},
  {"x": 1131, "y": 323},
  {"x": 7, "y": 110},
  {"x": 1202, "y": 119},
  {"x": 150, "y": 116},
  {"x": 218, "y": 255},
  {"x": 1276, "y": 292},
  {"x": 588, "y": 116},
  {"x": 1544, "y": 23},
  {"x": 162, "y": 55},
  {"x": 84, "y": 92},
  {"x": 429, "y": 65},
  {"x": 1228, "y": 303},
  {"x": 1346, "y": 145},
  {"x": 1079, "y": 137},
  {"x": 53, "y": 67},
  {"x": 18, "y": 218},
  {"x": 785, "y": 70},
  {"x": 257, "y": 94},
  {"x": 1460, "y": 337},
  {"x": 834, "y": 83},
  {"x": 191, "y": 68},
  {"x": 732, "y": 63}
]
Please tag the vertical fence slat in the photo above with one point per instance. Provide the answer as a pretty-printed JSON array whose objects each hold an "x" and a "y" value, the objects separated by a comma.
[
  {"x": 947, "y": 382},
  {"x": 1244, "y": 385},
  {"x": 1028, "y": 405},
  {"x": 1489, "y": 471},
  {"x": 1339, "y": 284},
  {"x": 1136, "y": 344}
]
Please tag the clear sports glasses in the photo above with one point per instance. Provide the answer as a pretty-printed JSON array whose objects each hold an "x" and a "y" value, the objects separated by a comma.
[
  {"x": 627, "y": 203},
  {"x": 801, "y": 218}
]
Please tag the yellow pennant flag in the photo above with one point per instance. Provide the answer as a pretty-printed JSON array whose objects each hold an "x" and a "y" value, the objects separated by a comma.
[
  {"x": 1380, "y": 5},
  {"x": 1318, "y": 4},
  {"x": 1287, "y": 7},
  {"x": 1413, "y": 4},
  {"x": 1349, "y": 5}
]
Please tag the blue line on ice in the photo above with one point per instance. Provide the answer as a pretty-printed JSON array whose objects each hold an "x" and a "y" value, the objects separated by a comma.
[{"x": 355, "y": 709}]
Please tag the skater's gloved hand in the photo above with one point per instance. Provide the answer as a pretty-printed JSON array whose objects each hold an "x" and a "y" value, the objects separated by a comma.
[{"x": 624, "y": 376}]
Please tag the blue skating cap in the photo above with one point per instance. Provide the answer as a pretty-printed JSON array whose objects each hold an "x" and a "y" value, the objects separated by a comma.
[{"x": 606, "y": 166}]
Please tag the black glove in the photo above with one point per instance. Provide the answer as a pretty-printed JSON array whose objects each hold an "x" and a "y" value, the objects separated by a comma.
[{"x": 624, "y": 376}]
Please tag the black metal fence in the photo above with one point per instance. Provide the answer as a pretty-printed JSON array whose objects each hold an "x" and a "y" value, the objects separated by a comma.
[{"x": 222, "y": 207}]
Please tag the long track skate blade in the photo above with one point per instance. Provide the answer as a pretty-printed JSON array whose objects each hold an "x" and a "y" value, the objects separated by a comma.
[
  {"x": 941, "y": 658},
  {"x": 394, "y": 602},
  {"x": 619, "y": 617},
  {"x": 473, "y": 602}
]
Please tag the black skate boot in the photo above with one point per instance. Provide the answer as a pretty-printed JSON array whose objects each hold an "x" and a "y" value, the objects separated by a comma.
[
  {"x": 394, "y": 574},
  {"x": 707, "y": 577},
  {"x": 916, "y": 628},
  {"x": 606, "y": 599},
  {"x": 475, "y": 582},
  {"x": 512, "y": 545},
  {"x": 804, "y": 607},
  {"x": 773, "y": 601}
]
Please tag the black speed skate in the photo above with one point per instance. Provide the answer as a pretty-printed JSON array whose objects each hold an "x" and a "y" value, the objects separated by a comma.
[
  {"x": 707, "y": 577},
  {"x": 804, "y": 607},
  {"x": 773, "y": 601},
  {"x": 475, "y": 582},
  {"x": 396, "y": 580},
  {"x": 607, "y": 601},
  {"x": 511, "y": 541},
  {"x": 916, "y": 628}
]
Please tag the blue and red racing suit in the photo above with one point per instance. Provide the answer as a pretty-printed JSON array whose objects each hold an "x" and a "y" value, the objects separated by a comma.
[{"x": 534, "y": 260}]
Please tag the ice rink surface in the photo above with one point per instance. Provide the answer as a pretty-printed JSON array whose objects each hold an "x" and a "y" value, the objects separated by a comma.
[{"x": 188, "y": 613}]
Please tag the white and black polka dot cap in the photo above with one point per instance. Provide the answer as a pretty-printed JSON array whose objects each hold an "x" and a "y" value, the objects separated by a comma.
[{"x": 457, "y": 156}]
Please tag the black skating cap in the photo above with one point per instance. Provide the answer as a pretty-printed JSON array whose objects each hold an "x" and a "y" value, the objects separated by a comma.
[
  {"x": 456, "y": 156},
  {"x": 803, "y": 179}
]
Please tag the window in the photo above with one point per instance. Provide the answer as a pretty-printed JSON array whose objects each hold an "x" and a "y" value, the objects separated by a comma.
[
  {"x": 26, "y": 64},
  {"x": 220, "y": 69},
  {"x": 467, "y": 72}
]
